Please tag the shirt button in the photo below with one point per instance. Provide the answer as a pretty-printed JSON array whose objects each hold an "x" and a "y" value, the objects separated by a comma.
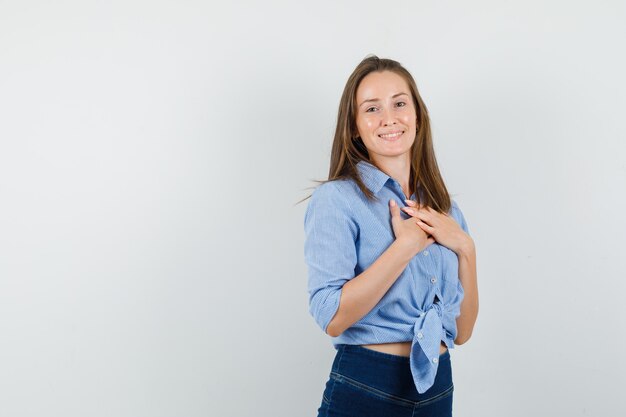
[
  {"x": 422, "y": 314},
  {"x": 433, "y": 280},
  {"x": 420, "y": 335},
  {"x": 435, "y": 360},
  {"x": 425, "y": 253}
]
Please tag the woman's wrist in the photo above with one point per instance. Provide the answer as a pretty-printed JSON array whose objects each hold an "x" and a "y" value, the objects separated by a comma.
[
  {"x": 467, "y": 248},
  {"x": 407, "y": 248}
]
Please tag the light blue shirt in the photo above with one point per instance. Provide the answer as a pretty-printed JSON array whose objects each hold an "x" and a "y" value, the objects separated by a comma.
[{"x": 344, "y": 234}]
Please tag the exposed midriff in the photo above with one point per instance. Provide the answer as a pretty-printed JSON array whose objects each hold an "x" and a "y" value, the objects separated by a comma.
[{"x": 400, "y": 348}]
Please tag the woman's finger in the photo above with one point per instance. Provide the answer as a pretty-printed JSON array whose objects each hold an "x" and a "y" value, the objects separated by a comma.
[
  {"x": 414, "y": 204},
  {"x": 426, "y": 228},
  {"x": 411, "y": 211},
  {"x": 421, "y": 213}
]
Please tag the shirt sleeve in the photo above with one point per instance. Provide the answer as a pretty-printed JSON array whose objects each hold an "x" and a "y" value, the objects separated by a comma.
[
  {"x": 458, "y": 216},
  {"x": 451, "y": 329},
  {"x": 329, "y": 250}
]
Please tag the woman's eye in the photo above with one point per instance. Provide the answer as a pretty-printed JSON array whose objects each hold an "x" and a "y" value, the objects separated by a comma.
[
  {"x": 401, "y": 104},
  {"x": 370, "y": 109}
]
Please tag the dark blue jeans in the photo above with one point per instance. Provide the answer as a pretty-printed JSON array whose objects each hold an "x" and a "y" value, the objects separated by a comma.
[{"x": 364, "y": 382}]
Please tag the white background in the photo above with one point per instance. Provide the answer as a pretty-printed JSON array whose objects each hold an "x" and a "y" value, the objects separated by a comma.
[{"x": 152, "y": 152}]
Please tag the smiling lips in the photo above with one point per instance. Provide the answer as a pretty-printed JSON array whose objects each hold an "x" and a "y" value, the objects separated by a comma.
[{"x": 391, "y": 135}]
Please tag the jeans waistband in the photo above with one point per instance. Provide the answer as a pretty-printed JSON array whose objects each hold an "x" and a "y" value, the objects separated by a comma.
[{"x": 387, "y": 372}]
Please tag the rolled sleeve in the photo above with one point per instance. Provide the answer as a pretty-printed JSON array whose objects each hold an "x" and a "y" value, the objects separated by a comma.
[{"x": 329, "y": 250}]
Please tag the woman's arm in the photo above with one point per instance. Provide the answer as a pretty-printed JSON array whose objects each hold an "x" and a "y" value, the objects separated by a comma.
[
  {"x": 469, "y": 305},
  {"x": 363, "y": 292}
]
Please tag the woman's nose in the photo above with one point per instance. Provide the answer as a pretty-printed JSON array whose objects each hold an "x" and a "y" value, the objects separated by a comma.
[{"x": 388, "y": 118}]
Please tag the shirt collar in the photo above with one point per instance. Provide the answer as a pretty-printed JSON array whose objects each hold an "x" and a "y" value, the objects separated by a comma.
[{"x": 371, "y": 176}]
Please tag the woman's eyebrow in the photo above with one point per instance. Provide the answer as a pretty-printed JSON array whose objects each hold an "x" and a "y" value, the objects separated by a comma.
[{"x": 377, "y": 99}]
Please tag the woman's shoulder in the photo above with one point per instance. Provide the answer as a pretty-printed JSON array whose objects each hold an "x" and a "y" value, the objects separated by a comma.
[
  {"x": 335, "y": 196},
  {"x": 454, "y": 208},
  {"x": 341, "y": 189},
  {"x": 457, "y": 214},
  {"x": 331, "y": 202}
]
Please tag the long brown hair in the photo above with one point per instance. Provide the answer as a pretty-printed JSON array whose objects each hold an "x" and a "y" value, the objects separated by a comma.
[{"x": 348, "y": 148}]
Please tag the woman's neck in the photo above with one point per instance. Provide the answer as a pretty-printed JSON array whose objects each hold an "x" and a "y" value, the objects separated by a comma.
[{"x": 398, "y": 168}]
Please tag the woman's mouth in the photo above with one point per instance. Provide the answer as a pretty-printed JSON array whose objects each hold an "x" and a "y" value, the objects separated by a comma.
[{"x": 391, "y": 136}]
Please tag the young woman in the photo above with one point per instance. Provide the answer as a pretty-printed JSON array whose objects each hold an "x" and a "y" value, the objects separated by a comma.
[{"x": 391, "y": 265}]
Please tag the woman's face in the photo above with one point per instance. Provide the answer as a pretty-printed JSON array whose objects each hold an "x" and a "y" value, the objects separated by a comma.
[{"x": 385, "y": 116}]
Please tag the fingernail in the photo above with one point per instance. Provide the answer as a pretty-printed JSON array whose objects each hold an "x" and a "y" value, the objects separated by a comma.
[{"x": 392, "y": 202}]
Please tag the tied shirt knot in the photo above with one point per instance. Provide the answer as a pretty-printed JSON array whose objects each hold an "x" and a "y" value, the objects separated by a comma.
[{"x": 427, "y": 337}]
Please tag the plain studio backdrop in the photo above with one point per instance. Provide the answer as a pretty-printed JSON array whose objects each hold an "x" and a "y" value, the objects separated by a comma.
[{"x": 152, "y": 153}]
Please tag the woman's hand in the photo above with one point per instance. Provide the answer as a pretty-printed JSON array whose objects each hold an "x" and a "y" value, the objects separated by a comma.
[
  {"x": 407, "y": 231},
  {"x": 442, "y": 227}
]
